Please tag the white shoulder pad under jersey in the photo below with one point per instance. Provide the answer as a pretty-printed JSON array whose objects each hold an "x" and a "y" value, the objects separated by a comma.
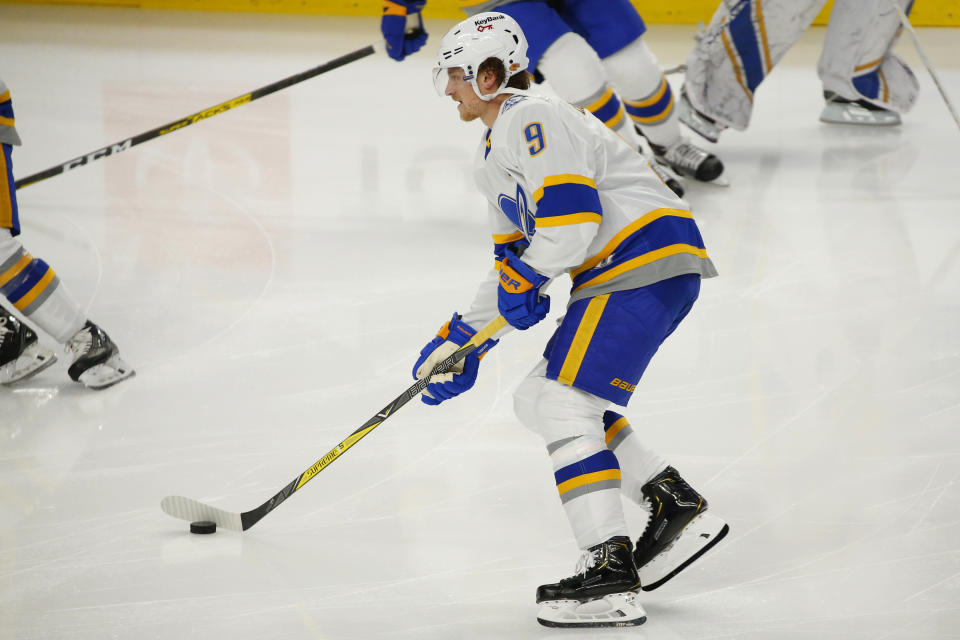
[{"x": 558, "y": 178}]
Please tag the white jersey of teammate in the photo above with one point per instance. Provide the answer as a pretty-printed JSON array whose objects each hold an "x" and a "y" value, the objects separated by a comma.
[{"x": 541, "y": 149}]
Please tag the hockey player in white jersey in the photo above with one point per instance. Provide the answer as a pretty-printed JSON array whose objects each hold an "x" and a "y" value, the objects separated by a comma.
[
  {"x": 864, "y": 82},
  {"x": 593, "y": 55},
  {"x": 567, "y": 196},
  {"x": 35, "y": 290}
]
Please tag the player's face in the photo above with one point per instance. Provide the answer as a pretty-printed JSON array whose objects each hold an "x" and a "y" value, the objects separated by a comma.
[{"x": 461, "y": 91}]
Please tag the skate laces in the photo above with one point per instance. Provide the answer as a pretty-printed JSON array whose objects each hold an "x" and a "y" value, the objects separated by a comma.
[
  {"x": 588, "y": 560},
  {"x": 80, "y": 343},
  {"x": 4, "y": 329},
  {"x": 686, "y": 155}
]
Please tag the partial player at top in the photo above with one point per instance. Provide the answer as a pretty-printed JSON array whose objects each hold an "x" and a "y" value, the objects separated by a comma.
[
  {"x": 593, "y": 55},
  {"x": 32, "y": 287}
]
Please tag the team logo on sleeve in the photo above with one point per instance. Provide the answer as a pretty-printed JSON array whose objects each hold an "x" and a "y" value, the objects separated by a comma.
[
  {"x": 511, "y": 102},
  {"x": 517, "y": 212}
]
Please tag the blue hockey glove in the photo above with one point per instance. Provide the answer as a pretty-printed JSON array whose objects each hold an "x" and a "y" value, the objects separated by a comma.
[
  {"x": 393, "y": 25},
  {"x": 518, "y": 297},
  {"x": 452, "y": 336}
]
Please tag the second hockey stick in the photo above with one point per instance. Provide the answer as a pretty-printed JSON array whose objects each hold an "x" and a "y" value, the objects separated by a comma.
[
  {"x": 193, "y": 510},
  {"x": 176, "y": 125},
  {"x": 905, "y": 21}
]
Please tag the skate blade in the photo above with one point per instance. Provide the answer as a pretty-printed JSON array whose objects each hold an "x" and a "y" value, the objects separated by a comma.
[
  {"x": 107, "y": 374},
  {"x": 32, "y": 361},
  {"x": 614, "y": 610},
  {"x": 719, "y": 181},
  {"x": 698, "y": 537},
  {"x": 847, "y": 113}
]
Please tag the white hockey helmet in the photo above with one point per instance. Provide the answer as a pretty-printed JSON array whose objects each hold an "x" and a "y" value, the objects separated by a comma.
[{"x": 481, "y": 36}]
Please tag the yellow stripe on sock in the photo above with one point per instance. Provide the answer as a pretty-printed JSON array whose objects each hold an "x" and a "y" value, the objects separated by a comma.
[
  {"x": 615, "y": 428},
  {"x": 652, "y": 100},
  {"x": 588, "y": 478},
  {"x": 601, "y": 101},
  {"x": 13, "y": 271},
  {"x": 663, "y": 115},
  {"x": 38, "y": 288}
]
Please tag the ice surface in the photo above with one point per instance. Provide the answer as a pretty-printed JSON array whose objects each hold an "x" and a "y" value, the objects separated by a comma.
[{"x": 272, "y": 273}]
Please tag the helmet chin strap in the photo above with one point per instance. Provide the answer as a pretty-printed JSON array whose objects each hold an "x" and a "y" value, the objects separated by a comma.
[{"x": 487, "y": 97}]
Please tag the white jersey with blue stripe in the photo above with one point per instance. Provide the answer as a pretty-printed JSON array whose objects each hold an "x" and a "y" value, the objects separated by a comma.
[{"x": 586, "y": 203}]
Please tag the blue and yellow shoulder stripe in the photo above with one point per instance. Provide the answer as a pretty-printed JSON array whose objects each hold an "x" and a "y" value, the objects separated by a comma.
[{"x": 567, "y": 199}]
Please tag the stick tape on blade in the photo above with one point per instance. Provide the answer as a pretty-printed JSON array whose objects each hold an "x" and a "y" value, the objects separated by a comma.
[{"x": 193, "y": 511}]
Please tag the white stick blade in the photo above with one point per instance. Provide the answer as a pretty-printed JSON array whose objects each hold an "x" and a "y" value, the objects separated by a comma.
[{"x": 192, "y": 511}]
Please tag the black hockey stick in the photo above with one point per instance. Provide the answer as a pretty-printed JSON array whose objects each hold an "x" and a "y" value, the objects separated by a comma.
[
  {"x": 123, "y": 145},
  {"x": 192, "y": 510}
]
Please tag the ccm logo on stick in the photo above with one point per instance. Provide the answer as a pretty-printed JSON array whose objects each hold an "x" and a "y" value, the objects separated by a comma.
[{"x": 99, "y": 153}]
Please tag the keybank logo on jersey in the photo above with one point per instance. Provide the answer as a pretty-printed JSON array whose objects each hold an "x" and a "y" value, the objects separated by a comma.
[{"x": 516, "y": 211}]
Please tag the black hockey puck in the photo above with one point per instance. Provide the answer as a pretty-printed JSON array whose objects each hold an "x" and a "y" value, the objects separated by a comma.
[{"x": 203, "y": 526}]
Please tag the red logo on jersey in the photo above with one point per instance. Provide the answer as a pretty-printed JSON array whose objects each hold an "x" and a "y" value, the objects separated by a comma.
[{"x": 484, "y": 27}]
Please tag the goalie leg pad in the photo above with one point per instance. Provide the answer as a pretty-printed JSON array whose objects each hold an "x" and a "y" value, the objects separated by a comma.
[
  {"x": 614, "y": 610},
  {"x": 857, "y": 62},
  {"x": 698, "y": 537},
  {"x": 736, "y": 51}
]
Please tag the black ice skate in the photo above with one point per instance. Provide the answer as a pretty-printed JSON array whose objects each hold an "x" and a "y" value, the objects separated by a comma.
[
  {"x": 96, "y": 359},
  {"x": 601, "y": 594},
  {"x": 21, "y": 355},
  {"x": 839, "y": 110},
  {"x": 687, "y": 159},
  {"x": 679, "y": 530}
]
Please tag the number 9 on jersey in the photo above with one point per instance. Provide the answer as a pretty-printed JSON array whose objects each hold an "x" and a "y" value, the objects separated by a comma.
[{"x": 534, "y": 135}]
